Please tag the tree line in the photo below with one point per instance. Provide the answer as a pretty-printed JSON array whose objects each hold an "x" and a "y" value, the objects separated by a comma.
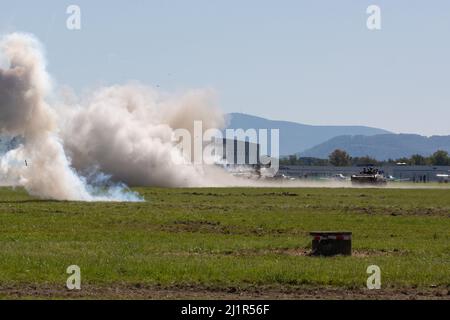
[{"x": 340, "y": 158}]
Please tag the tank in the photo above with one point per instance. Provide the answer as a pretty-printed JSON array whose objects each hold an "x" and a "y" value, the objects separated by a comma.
[{"x": 369, "y": 176}]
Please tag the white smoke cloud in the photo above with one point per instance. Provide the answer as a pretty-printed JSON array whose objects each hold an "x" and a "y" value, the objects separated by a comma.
[
  {"x": 115, "y": 135},
  {"x": 24, "y": 112},
  {"x": 127, "y": 131}
]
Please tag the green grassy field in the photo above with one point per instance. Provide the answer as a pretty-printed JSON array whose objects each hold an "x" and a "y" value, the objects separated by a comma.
[{"x": 226, "y": 243}]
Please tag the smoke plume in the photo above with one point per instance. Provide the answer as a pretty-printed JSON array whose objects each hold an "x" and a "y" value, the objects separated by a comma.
[
  {"x": 89, "y": 148},
  {"x": 40, "y": 163},
  {"x": 127, "y": 131}
]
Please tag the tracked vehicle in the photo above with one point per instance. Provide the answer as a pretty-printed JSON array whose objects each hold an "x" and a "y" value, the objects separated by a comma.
[{"x": 369, "y": 176}]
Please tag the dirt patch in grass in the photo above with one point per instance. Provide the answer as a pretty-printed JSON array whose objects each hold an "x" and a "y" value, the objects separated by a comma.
[
  {"x": 305, "y": 252},
  {"x": 217, "y": 227},
  {"x": 299, "y": 252},
  {"x": 442, "y": 212},
  {"x": 211, "y": 194},
  {"x": 207, "y": 194},
  {"x": 282, "y": 194},
  {"x": 139, "y": 291}
]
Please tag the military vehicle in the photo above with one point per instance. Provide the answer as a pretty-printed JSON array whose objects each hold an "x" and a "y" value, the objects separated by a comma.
[{"x": 369, "y": 176}]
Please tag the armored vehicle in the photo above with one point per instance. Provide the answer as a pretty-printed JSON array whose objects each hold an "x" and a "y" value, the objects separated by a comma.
[{"x": 369, "y": 176}]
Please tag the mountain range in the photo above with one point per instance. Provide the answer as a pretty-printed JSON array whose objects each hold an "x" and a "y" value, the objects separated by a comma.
[
  {"x": 319, "y": 141},
  {"x": 297, "y": 137},
  {"x": 381, "y": 147}
]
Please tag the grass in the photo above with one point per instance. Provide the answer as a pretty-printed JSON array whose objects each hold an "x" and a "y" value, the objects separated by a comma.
[{"x": 226, "y": 238}]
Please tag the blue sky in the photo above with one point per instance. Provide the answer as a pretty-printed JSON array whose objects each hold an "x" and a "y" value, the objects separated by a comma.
[{"x": 312, "y": 62}]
